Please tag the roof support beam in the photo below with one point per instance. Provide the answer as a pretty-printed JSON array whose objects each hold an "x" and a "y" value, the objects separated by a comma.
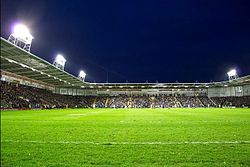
[
  {"x": 32, "y": 74},
  {"x": 7, "y": 65},
  {"x": 7, "y": 48},
  {"x": 16, "y": 70},
  {"x": 25, "y": 72}
]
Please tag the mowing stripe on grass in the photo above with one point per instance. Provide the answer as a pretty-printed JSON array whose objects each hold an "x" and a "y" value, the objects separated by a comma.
[{"x": 127, "y": 143}]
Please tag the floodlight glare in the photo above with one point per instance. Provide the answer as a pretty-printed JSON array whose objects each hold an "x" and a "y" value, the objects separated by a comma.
[
  {"x": 60, "y": 62},
  {"x": 232, "y": 74},
  {"x": 22, "y": 32},
  {"x": 82, "y": 75},
  {"x": 21, "y": 37}
]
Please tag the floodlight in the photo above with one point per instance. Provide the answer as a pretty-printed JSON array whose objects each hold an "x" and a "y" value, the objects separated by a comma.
[
  {"x": 21, "y": 37},
  {"x": 60, "y": 62},
  {"x": 82, "y": 75},
  {"x": 232, "y": 74},
  {"x": 22, "y": 32}
]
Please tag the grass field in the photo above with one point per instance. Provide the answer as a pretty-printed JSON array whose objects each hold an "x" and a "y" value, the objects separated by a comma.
[{"x": 126, "y": 137}]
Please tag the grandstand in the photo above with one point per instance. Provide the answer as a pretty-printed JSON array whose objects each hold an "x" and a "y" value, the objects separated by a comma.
[{"x": 28, "y": 81}]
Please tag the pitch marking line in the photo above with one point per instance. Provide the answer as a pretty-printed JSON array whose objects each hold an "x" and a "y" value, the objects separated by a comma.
[
  {"x": 86, "y": 114},
  {"x": 128, "y": 143}
]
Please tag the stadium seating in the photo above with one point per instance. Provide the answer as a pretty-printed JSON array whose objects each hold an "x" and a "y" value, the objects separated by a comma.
[
  {"x": 20, "y": 96},
  {"x": 232, "y": 101}
]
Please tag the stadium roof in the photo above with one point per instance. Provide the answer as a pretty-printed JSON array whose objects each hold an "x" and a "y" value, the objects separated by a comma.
[
  {"x": 238, "y": 82},
  {"x": 23, "y": 63}
]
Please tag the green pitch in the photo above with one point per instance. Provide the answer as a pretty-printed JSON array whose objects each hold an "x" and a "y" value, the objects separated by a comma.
[{"x": 126, "y": 137}]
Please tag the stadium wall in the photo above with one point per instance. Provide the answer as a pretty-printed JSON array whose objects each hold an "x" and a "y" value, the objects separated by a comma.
[
  {"x": 229, "y": 91},
  {"x": 76, "y": 92},
  {"x": 243, "y": 90},
  {"x": 132, "y": 91},
  {"x": 210, "y": 92}
]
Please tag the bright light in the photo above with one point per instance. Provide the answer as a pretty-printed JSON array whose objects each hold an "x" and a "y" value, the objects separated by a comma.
[
  {"x": 22, "y": 33},
  {"x": 21, "y": 37},
  {"x": 60, "y": 60},
  {"x": 82, "y": 74},
  {"x": 232, "y": 73}
]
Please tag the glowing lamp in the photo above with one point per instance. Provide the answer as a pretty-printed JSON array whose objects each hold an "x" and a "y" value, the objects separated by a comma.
[
  {"x": 21, "y": 37},
  {"x": 22, "y": 33},
  {"x": 82, "y": 75},
  {"x": 60, "y": 62},
  {"x": 232, "y": 75}
]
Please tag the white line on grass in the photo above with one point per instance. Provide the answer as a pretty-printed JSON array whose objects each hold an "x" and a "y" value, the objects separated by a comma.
[
  {"x": 126, "y": 143},
  {"x": 87, "y": 113}
]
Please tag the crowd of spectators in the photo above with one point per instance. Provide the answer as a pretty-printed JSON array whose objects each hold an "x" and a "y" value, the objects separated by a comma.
[
  {"x": 243, "y": 101},
  {"x": 14, "y": 95},
  {"x": 19, "y": 96},
  {"x": 190, "y": 101},
  {"x": 118, "y": 101}
]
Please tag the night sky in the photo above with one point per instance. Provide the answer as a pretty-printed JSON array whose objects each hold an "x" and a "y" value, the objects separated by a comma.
[{"x": 138, "y": 41}]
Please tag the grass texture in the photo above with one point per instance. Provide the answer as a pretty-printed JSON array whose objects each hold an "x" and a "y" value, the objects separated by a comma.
[{"x": 126, "y": 137}]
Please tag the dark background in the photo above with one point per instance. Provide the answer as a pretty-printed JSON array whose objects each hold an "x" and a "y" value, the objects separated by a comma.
[{"x": 138, "y": 41}]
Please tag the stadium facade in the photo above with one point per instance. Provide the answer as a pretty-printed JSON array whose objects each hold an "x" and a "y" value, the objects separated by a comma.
[{"x": 22, "y": 67}]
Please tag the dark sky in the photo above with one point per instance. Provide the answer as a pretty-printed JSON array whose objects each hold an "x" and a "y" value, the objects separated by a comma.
[{"x": 138, "y": 40}]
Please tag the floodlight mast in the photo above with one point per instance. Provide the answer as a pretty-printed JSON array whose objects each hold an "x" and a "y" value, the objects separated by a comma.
[
  {"x": 59, "y": 62},
  {"x": 82, "y": 75},
  {"x": 232, "y": 75},
  {"x": 21, "y": 37}
]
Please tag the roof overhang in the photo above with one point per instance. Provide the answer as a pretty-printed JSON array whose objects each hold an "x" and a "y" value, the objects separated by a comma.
[{"x": 18, "y": 61}]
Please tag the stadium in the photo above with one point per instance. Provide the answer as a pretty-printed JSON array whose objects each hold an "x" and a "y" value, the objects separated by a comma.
[
  {"x": 49, "y": 117},
  {"x": 45, "y": 85}
]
